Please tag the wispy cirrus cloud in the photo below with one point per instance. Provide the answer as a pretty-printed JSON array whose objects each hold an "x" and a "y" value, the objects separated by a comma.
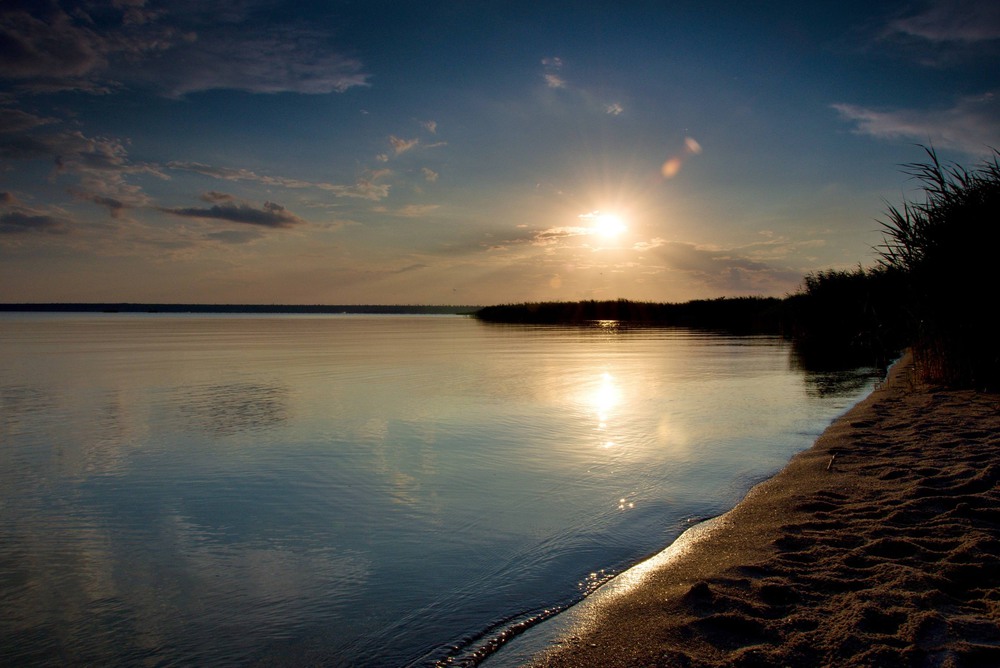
[
  {"x": 269, "y": 215},
  {"x": 971, "y": 125},
  {"x": 415, "y": 210},
  {"x": 366, "y": 187},
  {"x": 552, "y": 75},
  {"x": 15, "y": 120},
  {"x": 951, "y": 21}
]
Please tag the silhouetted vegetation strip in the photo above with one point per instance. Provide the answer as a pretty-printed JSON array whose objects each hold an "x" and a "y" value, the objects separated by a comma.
[
  {"x": 758, "y": 315},
  {"x": 842, "y": 319},
  {"x": 399, "y": 309}
]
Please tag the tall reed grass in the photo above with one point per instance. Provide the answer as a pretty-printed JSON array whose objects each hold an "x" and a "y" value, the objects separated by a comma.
[{"x": 947, "y": 249}]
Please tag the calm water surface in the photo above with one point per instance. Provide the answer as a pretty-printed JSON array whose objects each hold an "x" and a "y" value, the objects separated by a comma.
[{"x": 357, "y": 490}]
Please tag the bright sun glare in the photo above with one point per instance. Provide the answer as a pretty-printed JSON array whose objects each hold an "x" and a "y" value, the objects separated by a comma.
[{"x": 604, "y": 223}]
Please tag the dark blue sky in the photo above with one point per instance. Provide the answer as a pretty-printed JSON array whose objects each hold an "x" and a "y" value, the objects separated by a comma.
[{"x": 469, "y": 152}]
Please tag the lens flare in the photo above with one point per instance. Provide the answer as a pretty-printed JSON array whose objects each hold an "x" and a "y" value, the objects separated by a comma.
[{"x": 672, "y": 166}]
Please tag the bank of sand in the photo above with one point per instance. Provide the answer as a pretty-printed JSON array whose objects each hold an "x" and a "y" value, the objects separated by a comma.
[{"x": 889, "y": 556}]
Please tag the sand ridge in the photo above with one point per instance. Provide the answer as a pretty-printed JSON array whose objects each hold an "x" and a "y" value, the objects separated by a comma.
[{"x": 879, "y": 546}]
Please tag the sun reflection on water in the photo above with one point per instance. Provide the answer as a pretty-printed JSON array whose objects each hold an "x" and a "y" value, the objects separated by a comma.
[{"x": 605, "y": 398}]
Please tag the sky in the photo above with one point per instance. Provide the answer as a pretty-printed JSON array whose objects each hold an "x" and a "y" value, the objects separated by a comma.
[{"x": 374, "y": 152}]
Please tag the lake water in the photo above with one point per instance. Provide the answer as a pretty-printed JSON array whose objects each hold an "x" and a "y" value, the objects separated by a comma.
[{"x": 358, "y": 490}]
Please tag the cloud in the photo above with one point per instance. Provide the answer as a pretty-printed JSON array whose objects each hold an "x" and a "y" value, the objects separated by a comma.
[
  {"x": 270, "y": 215},
  {"x": 115, "y": 207},
  {"x": 430, "y": 126},
  {"x": 21, "y": 222},
  {"x": 574, "y": 93},
  {"x": 285, "y": 59},
  {"x": 15, "y": 120},
  {"x": 100, "y": 164},
  {"x": 234, "y": 236},
  {"x": 408, "y": 268},
  {"x": 725, "y": 270},
  {"x": 554, "y": 234},
  {"x": 550, "y": 73},
  {"x": 46, "y": 48},
  {"x": 535, "y": 237},
  {"x": 643, "y": 246},
  {"x": 415, "y": 210},
  {"x": 215, "y": 196},
  {"x": 951, "y": 21},
  {"x": 971, "y": 125},
  {"x": 366, "y": 186},
  {"x": 429, "y": 174},
  {"x": 98, "y": 45},
  {"x": 554, "y": 80},
  {"x": 402, "y": 145},
  {"x": 230, "y": 174}
]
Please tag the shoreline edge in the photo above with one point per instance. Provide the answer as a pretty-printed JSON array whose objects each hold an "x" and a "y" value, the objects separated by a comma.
[{"x": 878, "y": 545}]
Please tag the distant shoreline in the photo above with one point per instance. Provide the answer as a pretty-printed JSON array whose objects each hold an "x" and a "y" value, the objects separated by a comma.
[
  {"x": 739, "y": 315},
  {"x": 127, "y": 307}
]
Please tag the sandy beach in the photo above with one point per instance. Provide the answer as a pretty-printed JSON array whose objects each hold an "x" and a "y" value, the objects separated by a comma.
[{"x": 879, "y": 546}]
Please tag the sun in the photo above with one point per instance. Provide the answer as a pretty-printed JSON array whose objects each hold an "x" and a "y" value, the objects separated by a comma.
[{"x": 605, "y": 223}]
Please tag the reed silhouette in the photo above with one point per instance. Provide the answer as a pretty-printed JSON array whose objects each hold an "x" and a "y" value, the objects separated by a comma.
[
  {"x": 842, "y": 319},
  {"x": 945, "y": 247}
]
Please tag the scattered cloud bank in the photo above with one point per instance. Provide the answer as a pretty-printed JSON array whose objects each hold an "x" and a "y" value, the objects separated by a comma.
[
  {"x": 100, "y": 166},
  {"x": 98, "y": 46},
  {"x": 288, "y": 60}
]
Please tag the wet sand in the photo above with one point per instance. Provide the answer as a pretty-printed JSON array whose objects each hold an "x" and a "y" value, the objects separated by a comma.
[{"x": 879, "y": 546}]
